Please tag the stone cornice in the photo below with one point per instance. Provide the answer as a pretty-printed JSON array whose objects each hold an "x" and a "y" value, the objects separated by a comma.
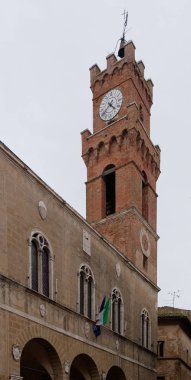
[{"x": 131, "y": 210}]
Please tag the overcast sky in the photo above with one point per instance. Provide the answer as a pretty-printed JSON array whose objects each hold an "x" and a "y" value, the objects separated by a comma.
[{"x": 46, "y": 49}]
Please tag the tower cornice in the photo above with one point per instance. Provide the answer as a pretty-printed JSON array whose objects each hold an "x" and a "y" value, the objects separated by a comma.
[{"x": 130, "y": 138}]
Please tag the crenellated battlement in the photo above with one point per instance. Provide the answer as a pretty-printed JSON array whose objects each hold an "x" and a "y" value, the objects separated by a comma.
[
  {"x": 129, "y": 141},
  {"x": 123, "y": 69}
]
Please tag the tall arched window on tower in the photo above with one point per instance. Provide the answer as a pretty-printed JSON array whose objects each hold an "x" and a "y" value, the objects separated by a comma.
[
  {"x": 144, "y": 196},
  {"x": 117, "y": 311},
  {"x": 145, "y": 328},
  {"x": 40, "y": 265},
  {"x": 109, "y": 181},
  {"x": 86, "y": 292}
]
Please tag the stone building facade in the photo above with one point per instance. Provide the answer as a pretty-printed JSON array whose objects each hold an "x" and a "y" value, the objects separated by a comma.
[
  {"x": 56, "y": 267},
  {"x": 174, "y": 344}
]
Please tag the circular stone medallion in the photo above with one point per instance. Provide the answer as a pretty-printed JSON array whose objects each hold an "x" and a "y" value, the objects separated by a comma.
[
  {"x": 145, "y": 242},
  {"x": 42, "y": 210}
]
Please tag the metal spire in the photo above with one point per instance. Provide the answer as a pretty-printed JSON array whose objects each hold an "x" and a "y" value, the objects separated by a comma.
[{"x": 121, "y": 48}]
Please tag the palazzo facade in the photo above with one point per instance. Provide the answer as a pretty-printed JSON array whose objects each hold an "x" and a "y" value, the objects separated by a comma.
[{"x": 56, "y": 267}]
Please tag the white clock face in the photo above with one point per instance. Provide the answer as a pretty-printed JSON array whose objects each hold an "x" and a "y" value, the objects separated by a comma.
[{"x": 110, "y": 105}]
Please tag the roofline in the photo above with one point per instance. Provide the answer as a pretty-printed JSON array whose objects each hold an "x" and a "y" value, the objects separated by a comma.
[{"x": 182, "y": 320}]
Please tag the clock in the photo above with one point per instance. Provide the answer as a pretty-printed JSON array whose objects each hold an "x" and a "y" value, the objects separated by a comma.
[{"x": 110, "y": 105}]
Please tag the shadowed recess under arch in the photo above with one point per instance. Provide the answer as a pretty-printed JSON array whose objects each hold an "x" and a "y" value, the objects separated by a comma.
[
  {"x": 115, "y": 373},
  {"x": 40, "y": 361},
  {"x": 84, "y": 368}
]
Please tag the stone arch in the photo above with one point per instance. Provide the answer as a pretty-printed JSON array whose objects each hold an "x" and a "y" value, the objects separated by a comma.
[
  {"x": 109, "y": 196},
  {"x": 39, "y": 232},
  {"x": 101, "y": 149},
  {"x": 139, "y": 141},
  {"x": 125, "y": 132},
  {"x": 40, "y": 253},
  {"x": 97, "y": 84},
  {"x": 90, "y": 155},
  {"x": 83, "y": 367},
  {"x": 90, "y": 151},
  {"x": 144, "y": 150},
  {"x": 125, "y": 67},
  {"x": 105, "y": 77},
  {"x": 37, "y": 331},
  {"x": 113, "y": 144},
  {"x": 86, "y": 293},
  {"x": 40, "y": 361},
  {"x": 115, "y": 71},
  {"x": 114, "y": 373},
  {"x": 87, "y": 272},
  {"x": 145, "y": 196},
  {"x": 145, "y": 328},
  {"x": 117, "y": 311},
  {"x": 124, "y": 138}
]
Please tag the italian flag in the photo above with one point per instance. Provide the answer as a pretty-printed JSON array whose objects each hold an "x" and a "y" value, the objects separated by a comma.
[{"x": 102, "y": 317}]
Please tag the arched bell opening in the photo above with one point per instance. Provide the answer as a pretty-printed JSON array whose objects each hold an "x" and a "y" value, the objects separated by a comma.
[
  {"x": 109, "y": 190},
  {"x": 40, "y": 361},
  {"x": 145, "y": 188},
  {"x": 115, "y": 373},
  {"x": 83, "y": 368}
]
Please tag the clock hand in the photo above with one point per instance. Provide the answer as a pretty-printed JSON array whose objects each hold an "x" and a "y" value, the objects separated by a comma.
[
  {"x": 111, "y": 105},
  {"x": 103, "y": 113},
  {"x": 108, "y": 106}
]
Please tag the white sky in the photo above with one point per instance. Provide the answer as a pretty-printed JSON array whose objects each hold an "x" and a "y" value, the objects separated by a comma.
[{"x": 46, "y": 49}]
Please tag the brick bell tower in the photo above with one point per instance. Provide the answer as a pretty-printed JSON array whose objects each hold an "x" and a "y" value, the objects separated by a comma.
[{"x": 122, "y": 163}]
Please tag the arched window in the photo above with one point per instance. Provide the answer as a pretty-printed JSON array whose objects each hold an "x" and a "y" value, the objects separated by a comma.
[
  {"x": 45, "y": 272},
  {"x": 109, "y": 180},
  {"x": 117, "y": 311},
  {"x": 86, "y": 292},
  {"x": 82, "y": 286},
  {"x": 34, "y": 266},
  {"x": 145, "y": 328},
  {"x": 40, "y": 258},
  {"x": 144, "y": 196}
]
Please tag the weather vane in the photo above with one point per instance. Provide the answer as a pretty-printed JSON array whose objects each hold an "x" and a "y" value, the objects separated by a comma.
[
  {"x": 125, "y": 15},
  {"x": 121, "y": 47}
]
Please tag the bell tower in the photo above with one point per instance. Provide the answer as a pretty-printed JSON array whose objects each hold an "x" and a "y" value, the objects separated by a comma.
[{"x": 122, "y": 163}]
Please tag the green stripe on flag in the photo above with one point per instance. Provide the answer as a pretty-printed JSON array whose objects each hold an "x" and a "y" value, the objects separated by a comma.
[{"x": 106, "y": 311}]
